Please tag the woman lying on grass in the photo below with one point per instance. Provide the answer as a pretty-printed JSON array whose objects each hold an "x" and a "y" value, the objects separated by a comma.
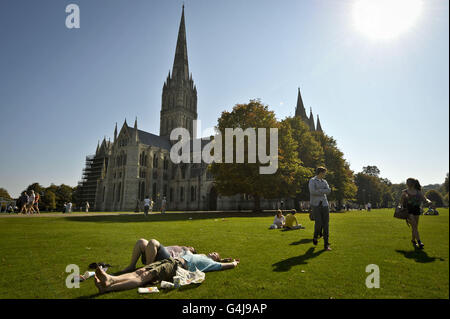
[{"x": 161, "y": 270}]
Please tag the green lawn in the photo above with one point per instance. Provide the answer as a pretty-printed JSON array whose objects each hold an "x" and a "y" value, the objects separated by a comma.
[{"x": 274, "y": 264}]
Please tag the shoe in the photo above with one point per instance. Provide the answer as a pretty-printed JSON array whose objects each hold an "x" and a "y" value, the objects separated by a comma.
[
  {"x": 414, "y": 244},
  {"x": 100, "y": 264},
  {"x": 315, "y": 241},
  {"x": 327, "y": 247},
  {"x": 421, "y": 245}
]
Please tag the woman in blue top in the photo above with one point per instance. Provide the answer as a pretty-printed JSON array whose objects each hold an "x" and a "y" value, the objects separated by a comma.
[
  {"x": 210, "y": 262},
  {"x": 412, "y": 198}
]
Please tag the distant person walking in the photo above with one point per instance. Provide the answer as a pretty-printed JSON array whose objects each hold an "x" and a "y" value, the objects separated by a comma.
[
  {"x": 36, "y": 203},
  {"x": 163, "y": 205},
  {"x": 87, "y": 207},
  {"x": 411, "y": 199},
  {"x": 318, "y": 190},
  {"x": 31, "y": 199},
  {"x": 23, "y": 202}
]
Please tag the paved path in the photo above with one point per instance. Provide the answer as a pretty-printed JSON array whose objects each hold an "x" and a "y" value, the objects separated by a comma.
[{"x": 78, "y": 214}]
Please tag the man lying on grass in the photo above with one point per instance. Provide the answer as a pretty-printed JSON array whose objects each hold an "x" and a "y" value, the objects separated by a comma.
[
  {"x": 161, "y": 270},
  {"x": 152, "y": 250}
]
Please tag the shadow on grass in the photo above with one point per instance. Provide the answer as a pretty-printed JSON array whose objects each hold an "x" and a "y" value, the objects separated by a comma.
[
  {"x": 162, "y": 291},
  {"x": 419, "y": 256},
  {"x": 301, "y": 242},
  {"x": 287, "y": 264},
  {"x": 139, "y": 217}
]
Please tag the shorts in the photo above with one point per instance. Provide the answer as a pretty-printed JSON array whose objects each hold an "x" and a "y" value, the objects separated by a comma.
[
  {"x": 414, "y": 210},
  {"x": 159, "y": 270},
  {"x": 161, "y": 254}
]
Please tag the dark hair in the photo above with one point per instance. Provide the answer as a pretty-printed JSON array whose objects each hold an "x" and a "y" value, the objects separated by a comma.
[
  {"x": 293, "y": 211},
  {"x": 320, "y": 169},
  {"x": 414, "y": 183}
]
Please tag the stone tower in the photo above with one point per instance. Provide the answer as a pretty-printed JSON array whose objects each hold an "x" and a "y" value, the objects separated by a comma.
[{"x": 179, "y": 94}]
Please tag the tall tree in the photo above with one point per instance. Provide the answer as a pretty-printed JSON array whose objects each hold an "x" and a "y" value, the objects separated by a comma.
[
  {"x": 48, "y": 201},
  {"x": 339, "y": 175},
  {"x": 435, "y": 197},
  {"x": 4, "y": 193},
  {"x": 370, "y": 189},
  {"x": 239, "y": 178},
  {"x": 36, "y": 187},
  {"x": 371, "y": 170}
]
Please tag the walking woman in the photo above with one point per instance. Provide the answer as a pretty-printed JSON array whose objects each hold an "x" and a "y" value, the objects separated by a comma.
[{"x": 412, "y": 198}]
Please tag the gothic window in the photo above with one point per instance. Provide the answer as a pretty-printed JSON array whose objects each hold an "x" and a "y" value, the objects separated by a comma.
[
  {"x": 155, "y": 161},
  {"x": 114, "y": 192},
  {"x": 166, "y": 163},
  {"x": 165, "y": 190},
  {"x": 142, "y": 191},
  {"x": 154, "y": 191},
  {"x": 171, "y": 195},
  {"x": 118, "y": 192},
  {"x": 192, "y": 193},
  {"x": 103, "y": 194},
  {"x": 181, "y": 194}
]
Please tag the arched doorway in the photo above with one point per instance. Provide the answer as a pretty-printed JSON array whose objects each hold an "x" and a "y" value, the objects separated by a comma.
[{"x": 212, "y": 199}]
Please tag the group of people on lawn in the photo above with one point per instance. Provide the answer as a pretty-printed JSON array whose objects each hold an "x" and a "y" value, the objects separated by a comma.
[{"x": 160, "y": 262}]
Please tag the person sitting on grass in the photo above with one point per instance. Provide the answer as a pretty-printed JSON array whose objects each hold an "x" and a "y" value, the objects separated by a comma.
[
  {"x": 160, "y": 270},
  {"x": 152, "y": 250},
  {"x": 291, "y": 221},
  {"x": 279, "y": 220}
]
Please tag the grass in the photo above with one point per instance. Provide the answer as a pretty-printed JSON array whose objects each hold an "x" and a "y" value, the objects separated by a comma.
[{"x": 34, "y": 253}]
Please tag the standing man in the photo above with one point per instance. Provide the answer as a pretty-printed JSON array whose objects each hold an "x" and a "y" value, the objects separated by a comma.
[
  {"x": 163, "y": 205},
  {"x": 318, "y": 190},
  {"x": 87, "y": 207},
  {"x": 146, "y": 205},
  {"x": 69, "y": 207}
]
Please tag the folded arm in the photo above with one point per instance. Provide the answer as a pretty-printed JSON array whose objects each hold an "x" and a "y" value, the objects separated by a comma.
[{"x": 314, "y": 190}]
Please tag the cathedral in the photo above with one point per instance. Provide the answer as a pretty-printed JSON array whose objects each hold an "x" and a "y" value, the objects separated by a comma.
[{"x": 137, "y": 164}]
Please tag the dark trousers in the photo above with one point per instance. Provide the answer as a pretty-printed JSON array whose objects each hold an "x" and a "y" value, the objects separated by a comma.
[{"x": 321, "y": 217}]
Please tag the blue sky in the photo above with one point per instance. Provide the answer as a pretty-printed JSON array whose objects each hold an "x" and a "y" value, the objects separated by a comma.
[{"x": 61, "y": 90}]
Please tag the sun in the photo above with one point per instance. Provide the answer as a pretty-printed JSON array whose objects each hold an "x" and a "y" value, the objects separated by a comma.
[{"x": 385, "y": 19}]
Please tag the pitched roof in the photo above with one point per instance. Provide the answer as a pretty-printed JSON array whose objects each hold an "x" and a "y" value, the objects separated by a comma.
[{"x": 151, "y": 139}]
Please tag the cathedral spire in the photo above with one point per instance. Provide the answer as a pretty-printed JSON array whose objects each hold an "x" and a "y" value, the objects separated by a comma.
[
  {"x": 311, "y": 120},
  {"x": 179, "y": 94},
  {"x": 180, "y": 68},
  {"x": 115, "y": 133},
  {"x": 300, "y": 108},
  {"x": 319, "y": 127}
]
